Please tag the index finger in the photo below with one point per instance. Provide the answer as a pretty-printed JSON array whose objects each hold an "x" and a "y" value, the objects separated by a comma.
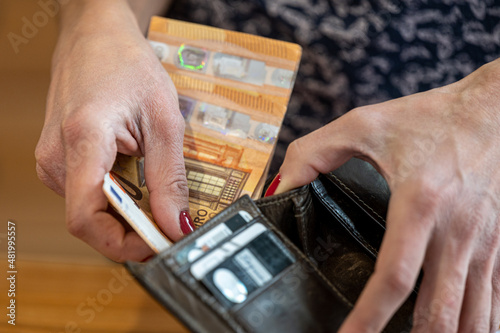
[
  {"x": 397, "y": 268},
  {"x": 90, "y": 153},
  {"x": 327, "y": 148}
]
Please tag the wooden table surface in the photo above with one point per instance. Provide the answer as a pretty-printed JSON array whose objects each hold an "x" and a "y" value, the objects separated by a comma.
[{"x": 61, "y": 297}]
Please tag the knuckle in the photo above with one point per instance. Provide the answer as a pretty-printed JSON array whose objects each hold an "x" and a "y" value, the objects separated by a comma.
[
  {"x": 112, "y": 252},
  {"x": 368, "y": 118},
  {"x": 420, "y": 320},
  {"x": 443, "y": 324},
  {"x": 83, "y": 135},
  {"x": 49, "y": 162},
  {"x": 399, "y": 279},
  {"x": 84, "y": 123},
  {"x": 428, "y": 196},
  {"x": 48, "y": 170},
  {"x": 443, "y": 318},
  {"x": 42, "y": 159},
  {"x": 432, "y": 194},
  {"x": 43, "y": 152},
  {"x": 359, "y": 113},
  {"x": 42, "y": 174},
  {"x": 178, "y": 183},
  {"x": 73, "y": 127},
  {"x": 301, "y": 150},
  {"x": 365, "y": 125},
  {"x": 118, "y": 257},
  {"x": 75, "y": 226},
  {"x": 40, "y": 152},
  {"x": 163, "y": 111},
  {"x": 296, "y": 148}
]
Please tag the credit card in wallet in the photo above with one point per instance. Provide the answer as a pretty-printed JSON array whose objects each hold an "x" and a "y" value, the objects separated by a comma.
[
  {"x": 209, "y": 261},
  {"x": 233, "y": 277},
  {"x": 212, "y": 238}
]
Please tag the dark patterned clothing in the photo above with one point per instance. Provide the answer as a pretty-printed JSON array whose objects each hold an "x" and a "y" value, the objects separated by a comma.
[{"x": 359, "y": 52}]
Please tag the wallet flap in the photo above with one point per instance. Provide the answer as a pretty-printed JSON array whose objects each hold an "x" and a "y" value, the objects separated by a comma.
[
  {"x": 360, "y": 225},
  {"x": 363, "y": 184},
  {"x": 357, "y": 196}
]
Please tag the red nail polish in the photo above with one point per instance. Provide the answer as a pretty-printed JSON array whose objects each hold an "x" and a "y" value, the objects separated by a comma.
[
  {"x": 274, "y": 185},
  {"x": 186, "y": 222}
]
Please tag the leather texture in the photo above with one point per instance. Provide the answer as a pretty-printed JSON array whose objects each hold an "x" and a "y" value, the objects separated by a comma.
[{"x": 334, "y": 227}]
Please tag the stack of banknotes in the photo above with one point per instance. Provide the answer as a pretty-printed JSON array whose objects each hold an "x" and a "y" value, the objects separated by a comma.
[{"x": 233, "y": 93}]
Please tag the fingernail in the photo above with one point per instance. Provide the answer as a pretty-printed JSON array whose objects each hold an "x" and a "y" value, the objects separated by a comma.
[
  {"x": 186, "y": 222},
  {"x": 273, "y": 186}
]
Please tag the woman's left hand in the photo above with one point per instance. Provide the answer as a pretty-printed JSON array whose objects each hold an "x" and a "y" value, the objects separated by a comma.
[{"x": 439, "y": 152}]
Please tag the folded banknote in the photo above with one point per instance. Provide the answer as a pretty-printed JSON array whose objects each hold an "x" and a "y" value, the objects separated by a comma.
[{"x": 233, "y": 93}]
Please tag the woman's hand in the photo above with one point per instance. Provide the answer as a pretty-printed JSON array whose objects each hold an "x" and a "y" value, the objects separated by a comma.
[
  {"x": 440, "y": 153},
  {"x": 108, "y": 94}
]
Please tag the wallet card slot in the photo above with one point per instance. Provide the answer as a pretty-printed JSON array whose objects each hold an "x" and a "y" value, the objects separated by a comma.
[
  {"x": 230, "y": 223},
  {"x": 248, "y": 261},
  {"x": 298, "y": 300},
  {"x": 212, "y": 238}
]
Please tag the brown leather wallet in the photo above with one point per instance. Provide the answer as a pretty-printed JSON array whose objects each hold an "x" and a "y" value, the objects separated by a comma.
[{"x": 329, "y": 232}]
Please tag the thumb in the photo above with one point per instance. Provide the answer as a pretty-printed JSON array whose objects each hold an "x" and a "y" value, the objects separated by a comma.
[
  {"x": 322, "y": 151},
  {"x": 165, "y": 172}
]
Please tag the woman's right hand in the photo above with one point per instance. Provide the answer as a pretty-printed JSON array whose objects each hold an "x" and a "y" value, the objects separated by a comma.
[{"x": 108, "y": 94}]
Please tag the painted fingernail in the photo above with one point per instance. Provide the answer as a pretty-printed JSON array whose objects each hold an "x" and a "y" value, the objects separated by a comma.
[
  {"x": 186, "y": 222},
  {"x": 274, "y": 185}
]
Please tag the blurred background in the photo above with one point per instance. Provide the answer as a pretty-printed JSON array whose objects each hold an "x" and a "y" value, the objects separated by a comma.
[{"x": 62, "y": 285}]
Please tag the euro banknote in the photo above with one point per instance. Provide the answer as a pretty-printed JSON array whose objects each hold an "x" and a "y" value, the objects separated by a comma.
[{"x": 233, "y": 90}]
